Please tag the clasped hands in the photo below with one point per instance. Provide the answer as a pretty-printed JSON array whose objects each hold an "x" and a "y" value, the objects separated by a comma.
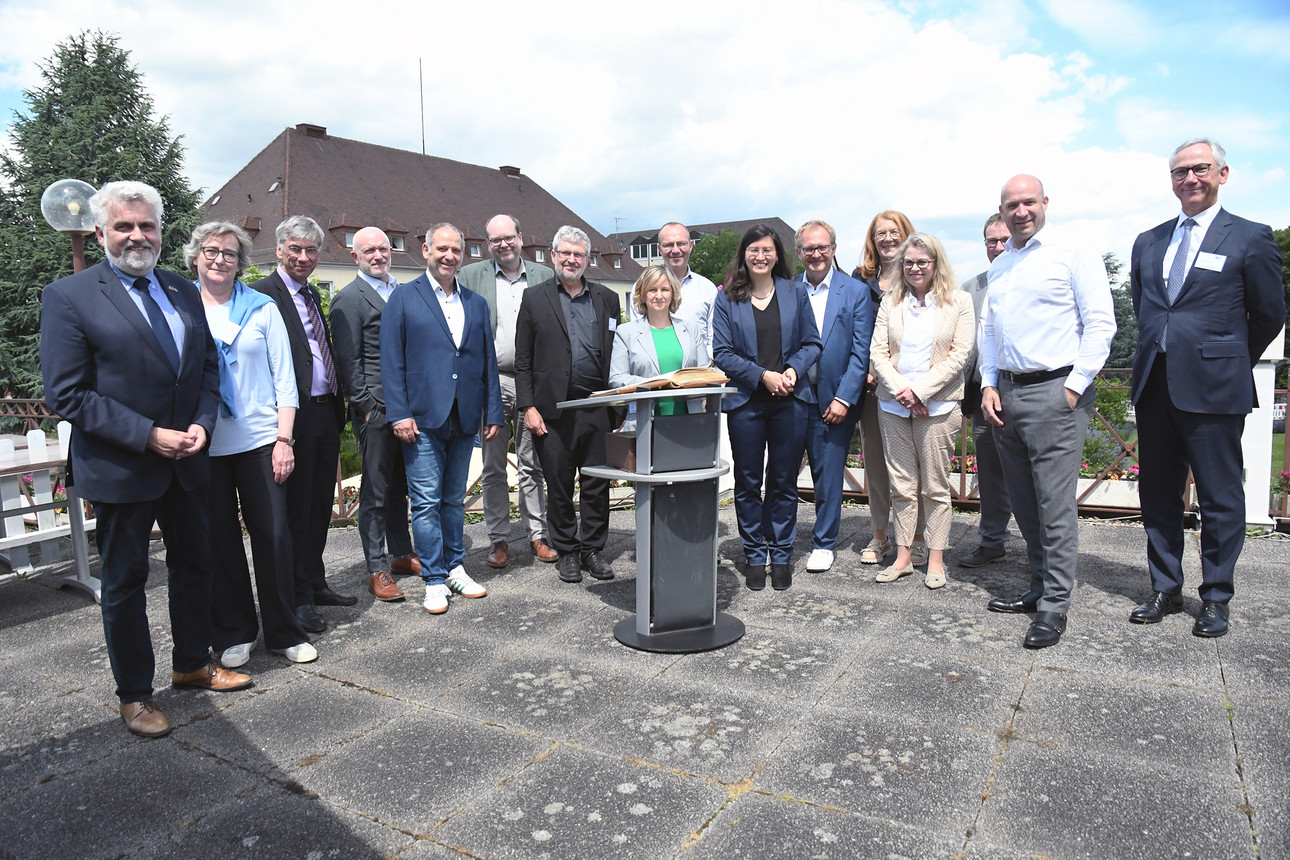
[
  {"x": 177, "y": 444},
  {"x": 780, "y": 384},
  {"x": 908, "y": 399}
]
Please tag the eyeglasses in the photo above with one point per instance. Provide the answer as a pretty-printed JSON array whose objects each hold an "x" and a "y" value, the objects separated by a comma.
[
  {"x": 296, "y": 250},
  {"x": 758, "y": 254},
  {"x": 990, "y": 243},
  {"x": 577, "y": 256},
  {"x": 918, "y": 264},
  {"x": 816, "y": 249},
  {"x": 888, "y": 234},
  {"x": 213, "y": 254},
  {"x": 499, "y": 241},
  {"x": 1180, "y": 173},
  {"x": 675, "y": 246}
]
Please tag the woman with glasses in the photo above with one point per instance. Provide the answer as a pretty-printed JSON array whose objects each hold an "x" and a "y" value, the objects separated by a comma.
[
  {"x": 250, "y": 452},
  {"x": 764, "y": 339},
  {"x": 922, "y": 340},
  {"x": 879, "y": 270}
]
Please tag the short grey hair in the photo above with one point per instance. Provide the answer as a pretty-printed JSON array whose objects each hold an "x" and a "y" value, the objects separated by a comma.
[
  {"x": 219, "y": 228},
  {"x": 124, "y": 191},
  {"x": 569, "y": 233},
  {"x": 813, "y": 223},
  {"x": 995, "y": 218},
  {"x": 299, "y": 227},
  {"x": 434, "y": 228},
  {"x": 1220, "y": 156}
]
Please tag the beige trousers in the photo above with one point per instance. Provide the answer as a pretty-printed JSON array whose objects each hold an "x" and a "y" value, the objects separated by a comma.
[{"x": 917, "y": 452}]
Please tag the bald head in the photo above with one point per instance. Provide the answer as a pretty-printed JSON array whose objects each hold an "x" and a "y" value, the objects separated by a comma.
[
  {"x": 372, "y": 253},
  {"x": 1024, "y": 206}
]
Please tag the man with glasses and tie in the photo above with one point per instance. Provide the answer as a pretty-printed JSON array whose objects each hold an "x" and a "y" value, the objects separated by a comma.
[
  {"x": 311, "y": 488},
  {"x": 128, "y": 360},
  {"x": 564, "y": 341},
  {"x": 1208, "y": 296},
  {"x": 502, "y": 282},
  {"x": 1046, "y": 333}
]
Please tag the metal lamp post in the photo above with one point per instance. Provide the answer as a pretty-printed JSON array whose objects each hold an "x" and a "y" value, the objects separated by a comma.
[{"x": 66, "y": 206}]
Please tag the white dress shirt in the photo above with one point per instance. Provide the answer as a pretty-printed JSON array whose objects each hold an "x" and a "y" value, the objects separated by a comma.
[
  {"x": 453, "y": 311},
  {"x": 1048, "y": 306},
  {"x": 1203, "y": 220},
  {"x": 383, "y": 289}
]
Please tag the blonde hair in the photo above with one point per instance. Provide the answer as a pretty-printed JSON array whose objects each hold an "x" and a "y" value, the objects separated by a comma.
[
  {"x": 943, "y": 283},
  {"x": 651, "y": 276}
]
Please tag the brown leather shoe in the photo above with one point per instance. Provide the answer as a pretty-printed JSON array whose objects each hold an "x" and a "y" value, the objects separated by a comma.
[
  {"x": 497, "y": 554},
  {"x": 543, "y": 551},
  {"x": 406, "y": 563},
  {"x": 145, "y": 719},
  {"x": 383, "y": 587},
  {"x": 212, "y": 676}
]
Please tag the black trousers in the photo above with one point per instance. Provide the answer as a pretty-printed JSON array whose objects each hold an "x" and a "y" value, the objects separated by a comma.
[
  {"x": 311, "y": 490},
  {"x": 383, "y": 498},
  {"x": 248, "y": 477},
  {"x": 123, "y": 534},
  {"x": 574, "y": 439}
]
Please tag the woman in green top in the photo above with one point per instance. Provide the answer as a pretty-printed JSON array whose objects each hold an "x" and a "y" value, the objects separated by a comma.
[{"x": 657, "y": 343}]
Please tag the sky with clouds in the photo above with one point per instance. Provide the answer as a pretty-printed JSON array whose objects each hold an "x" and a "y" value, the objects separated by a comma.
[{"x": 732, "y": 109}]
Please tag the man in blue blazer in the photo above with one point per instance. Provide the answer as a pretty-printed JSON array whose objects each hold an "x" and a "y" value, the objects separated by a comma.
[
  {"x": 439, "y": 373},
  {"x": 844, "y": 317},
  {"x": 128, "y": 360},
  {"x": 1208, "y": 296}
]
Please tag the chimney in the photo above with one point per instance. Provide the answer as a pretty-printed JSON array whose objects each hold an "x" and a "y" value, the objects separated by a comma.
[
  {"x": 309, "y": 130},
  {"x": 507, "y": 170}
]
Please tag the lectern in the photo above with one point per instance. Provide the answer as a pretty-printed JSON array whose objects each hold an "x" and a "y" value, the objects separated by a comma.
[{"x": 675, "y": 476}]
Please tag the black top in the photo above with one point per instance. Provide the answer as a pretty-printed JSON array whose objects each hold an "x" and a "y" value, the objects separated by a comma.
[
  {"x": 584, "y": 342},
  {"x": 770, "y": 350}
]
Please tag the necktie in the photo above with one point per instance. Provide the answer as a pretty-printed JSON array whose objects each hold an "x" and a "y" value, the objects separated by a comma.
[
  {"x": 320, "y": 337},
  {"x": 1177, "y": 274},
  {"x": 158, "y": 322}
]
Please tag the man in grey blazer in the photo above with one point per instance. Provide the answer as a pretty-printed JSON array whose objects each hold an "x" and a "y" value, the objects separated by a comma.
[
  {"x": 502, "y": 282},
  {"x": 356, "y": 345}
]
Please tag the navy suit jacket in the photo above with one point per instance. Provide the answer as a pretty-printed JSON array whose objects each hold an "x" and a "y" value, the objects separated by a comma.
[
  {"x": 302, "y": 357},
  {"x": 423, "y": 372},
  {"x": 105, "y": 372},
  {"x": 734, "y": 342},
  {"x": 844, "y": 355},
  {"x": 1220, "y": 323}
]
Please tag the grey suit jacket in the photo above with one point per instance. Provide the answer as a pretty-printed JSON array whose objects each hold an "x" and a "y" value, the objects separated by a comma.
[
  {"x": 481, "y": 278},
  {"x": 356, "y": 346},
  {"x": 635, "y": 358}
]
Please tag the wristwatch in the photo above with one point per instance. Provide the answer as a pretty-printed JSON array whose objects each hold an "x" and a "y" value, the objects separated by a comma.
[{"x": 291, "y": 442}]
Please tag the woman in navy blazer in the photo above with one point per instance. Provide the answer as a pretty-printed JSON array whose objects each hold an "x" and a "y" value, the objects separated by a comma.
[{"x": 764, "y": 339}]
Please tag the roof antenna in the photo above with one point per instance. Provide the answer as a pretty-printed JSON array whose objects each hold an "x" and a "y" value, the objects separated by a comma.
[{"x": 422, "y": 85}]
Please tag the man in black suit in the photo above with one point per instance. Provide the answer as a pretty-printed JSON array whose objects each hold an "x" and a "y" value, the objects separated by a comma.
[
  {"x": 312, "y": 485},
  {"x": 574, "y": 321},
  {"x": 128, "y": 360},
  {"x": 1208, "y": 296},
  {"x": 356, "y": 335}
]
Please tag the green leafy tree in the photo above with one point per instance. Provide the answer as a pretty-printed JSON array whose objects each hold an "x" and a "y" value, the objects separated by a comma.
[
  {"x": 1283, "y": 242},
  {"x": 712, "y": 255},
  {"x": 1125, "y": 344},
  {"x": 90, "y": 118}
]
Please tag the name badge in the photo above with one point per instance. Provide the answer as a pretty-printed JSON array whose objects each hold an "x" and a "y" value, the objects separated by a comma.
[
  {"x": 613, "y": 325},
  {"x": 1210, "y": 262}
]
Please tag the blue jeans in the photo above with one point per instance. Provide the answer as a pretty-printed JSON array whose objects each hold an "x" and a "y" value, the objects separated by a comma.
[{"x": 437, "y": 463}]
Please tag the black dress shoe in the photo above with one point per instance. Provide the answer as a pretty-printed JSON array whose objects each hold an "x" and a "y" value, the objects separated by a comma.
[
  {"x": 311, "y": 619},
  {"x": 596, "y": 566},
  {"x": 1212, "y": 621},
  {"x": 569, "y": 568},
  {"x": 1155, "y": 609},
  {"x": 326, "y": 597},
  {"x": 781, "y": 576},
  {"x": 1045, "y": 630},
  {"x": 1015, "y": 605},
  {"x": 755, "y": 577}
]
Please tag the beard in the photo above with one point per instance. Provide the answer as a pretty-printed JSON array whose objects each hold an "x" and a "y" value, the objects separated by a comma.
[{"x": 137, "y": 260}]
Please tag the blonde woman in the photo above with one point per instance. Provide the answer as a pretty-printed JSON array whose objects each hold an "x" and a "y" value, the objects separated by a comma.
[{"x": 922, "y": 341}]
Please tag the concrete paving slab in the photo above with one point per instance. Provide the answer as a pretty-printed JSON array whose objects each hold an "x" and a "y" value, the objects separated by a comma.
[
  {"x": 756, "y": 824},
  {"x": 1263, "y": 746},
  {"x": 783, "y": 665},
  {"x": 579, "y": 803},
  {"x": 884, "y": 765}
]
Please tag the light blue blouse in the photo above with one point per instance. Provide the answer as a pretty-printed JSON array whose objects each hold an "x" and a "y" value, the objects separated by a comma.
[{"x": 262, "y": 374}]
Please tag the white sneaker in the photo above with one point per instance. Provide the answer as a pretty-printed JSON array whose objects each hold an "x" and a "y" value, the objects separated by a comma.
[
  {"x": 436, "y": 600},
  {"x": 302, "y": 653},
  {"x": 237, "y": 655},
  {"x": 461, "y": 583},
  {"x": 820, "y": 561}
]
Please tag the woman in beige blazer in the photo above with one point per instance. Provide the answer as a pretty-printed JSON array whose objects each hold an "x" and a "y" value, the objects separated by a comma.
[{"x": 922, "y": 341}]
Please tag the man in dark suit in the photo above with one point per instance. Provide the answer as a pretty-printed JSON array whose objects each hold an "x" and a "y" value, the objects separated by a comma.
[
  {"x": 1208, "y": 296},
  {"x": 844, "y": 317},
  {"x": 439, "y": 373},
  {"x": 311, "y": 488},
  {"x": 573, "y": 320},
  {"x": 128, "y": 360},
  {"x": 356, "y": 336},
  {"x": 503, "y": 281}
]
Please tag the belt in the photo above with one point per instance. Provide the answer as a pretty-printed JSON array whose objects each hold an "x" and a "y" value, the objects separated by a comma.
[
  {"x": 1037, "y": 376},
  {"x": 321, "y": 398}
]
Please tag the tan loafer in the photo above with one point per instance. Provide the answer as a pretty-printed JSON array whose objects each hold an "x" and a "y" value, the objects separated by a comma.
[
  {"x": 934, "y": 579},
  {"x": 543, "y": 551},
  {"x": 145, "y": 719},
  {"x": 875, "y": 552},
  {"x": 893, "y": 573},
  {"x": 212, "y": 676},
  {"x": 497, "y": 554}
]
